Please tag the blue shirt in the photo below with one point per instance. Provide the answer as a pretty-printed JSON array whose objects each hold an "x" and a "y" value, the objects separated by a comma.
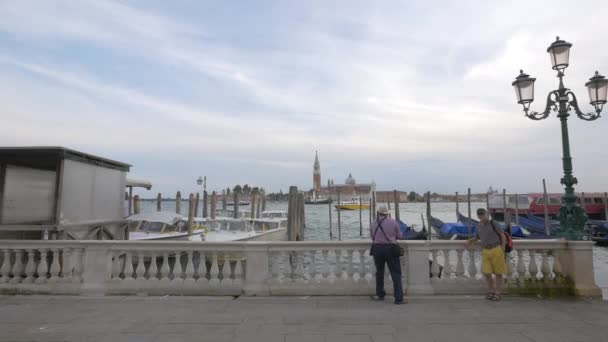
[{"x": 391, "y": 229}]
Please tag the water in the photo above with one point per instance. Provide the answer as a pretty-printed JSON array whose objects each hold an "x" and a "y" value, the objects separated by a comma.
[{"x": 317, "y": 224}]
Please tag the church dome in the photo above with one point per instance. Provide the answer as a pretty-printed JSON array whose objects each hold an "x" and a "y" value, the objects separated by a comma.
[{"x": 350, "y": 180}]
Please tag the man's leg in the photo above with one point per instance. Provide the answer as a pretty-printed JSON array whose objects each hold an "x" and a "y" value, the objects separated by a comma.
[
  {"x": 499, "y": 281},
  {"x": 489, "y": 282},
  {"x": 394, "y": 266},
  {"x": 379, "y": 261}
]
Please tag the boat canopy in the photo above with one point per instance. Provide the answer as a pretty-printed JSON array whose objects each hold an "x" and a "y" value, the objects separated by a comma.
[{"x": 139, "y": 183}]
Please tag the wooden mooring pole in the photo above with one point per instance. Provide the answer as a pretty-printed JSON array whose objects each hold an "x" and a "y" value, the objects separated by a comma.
[
  {"x": 295, "y": 215},
  {"x": 360, "y": 217},
  {"x": 339, "y": 224},
  {"x": 546, "y": 200},
  {"x": 488, "y": 204},
  {"x": 396, "y": 199},
  {"x": 213, "y": 204},
  {"x": 136, "y": 204},
  {"x": 224, "y": 202},
  {"x": 191, "y": 206},
  {"x": 469, "y": 228},
  {"x": 457, "y": 209},
  {"x": 197, "y": 199},
  {"x": 263, "y": 201},
  {"x": 205, "y": 203},
  {"x": 330, "y": 232},
  {"x": 253, "y": 199},
  {"x": 605, "y": 205},
  {"x": 159, "y": 200},
  {"x": 235, "y": 198},
  {"x": 178, "y": 203},
  {"x": 428, "y": 212}
]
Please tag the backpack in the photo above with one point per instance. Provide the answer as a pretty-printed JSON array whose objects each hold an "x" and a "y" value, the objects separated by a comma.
[{"x": 507, "y": 234}]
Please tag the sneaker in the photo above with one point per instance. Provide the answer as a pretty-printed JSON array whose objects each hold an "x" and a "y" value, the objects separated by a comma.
[
  {"x": 377, "y": 298},
  {"x": 399, "y": 302}
]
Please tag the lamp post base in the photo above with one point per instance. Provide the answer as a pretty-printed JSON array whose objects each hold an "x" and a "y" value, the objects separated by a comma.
[{"x": 572, "y": 224}]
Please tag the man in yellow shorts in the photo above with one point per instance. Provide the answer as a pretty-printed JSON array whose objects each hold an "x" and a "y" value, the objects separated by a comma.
[{"x": 493, "y": 243}]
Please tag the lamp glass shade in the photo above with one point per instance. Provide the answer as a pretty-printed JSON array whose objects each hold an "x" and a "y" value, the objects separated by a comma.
[
  {"x": 559, "y": 52},
  {"x": 199, "y": 181},
  {"x": 598, "y": 89},
  {"x": 524, "y": 88}
]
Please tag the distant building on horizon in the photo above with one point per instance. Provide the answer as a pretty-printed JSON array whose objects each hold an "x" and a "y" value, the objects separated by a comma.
[{"x": 349, "y": 190}]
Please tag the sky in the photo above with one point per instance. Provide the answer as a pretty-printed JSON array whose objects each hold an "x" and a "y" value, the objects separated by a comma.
[{"x": 412, "y": 95}]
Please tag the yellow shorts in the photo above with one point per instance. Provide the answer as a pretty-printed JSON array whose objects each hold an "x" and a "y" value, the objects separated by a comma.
[{"x": 493, "y": 261}]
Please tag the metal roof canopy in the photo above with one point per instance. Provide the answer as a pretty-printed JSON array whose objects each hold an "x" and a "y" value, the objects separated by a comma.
[{"x": 46, "y": 157}]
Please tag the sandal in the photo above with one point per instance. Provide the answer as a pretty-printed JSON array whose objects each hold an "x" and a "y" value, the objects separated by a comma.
[
  {"x": 496, "y": 297},
  {"x": 489, "y": 296}
]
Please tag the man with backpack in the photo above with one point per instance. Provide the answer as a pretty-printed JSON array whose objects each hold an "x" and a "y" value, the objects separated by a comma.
[
  {"x": 384, "y": 233},
  {"x": 493, "y": 242}
]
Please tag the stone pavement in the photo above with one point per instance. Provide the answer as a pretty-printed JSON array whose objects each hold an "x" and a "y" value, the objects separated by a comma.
[{"x": 291, "y": 319}]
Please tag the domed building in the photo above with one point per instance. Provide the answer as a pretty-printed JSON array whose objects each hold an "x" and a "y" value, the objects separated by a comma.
[{"x": 350, "y": 188}]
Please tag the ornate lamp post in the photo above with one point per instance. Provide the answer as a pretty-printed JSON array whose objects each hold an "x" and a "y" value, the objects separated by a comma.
[
  {"x": 202, "y": 181},
  {"x": 571, "y": 216}
]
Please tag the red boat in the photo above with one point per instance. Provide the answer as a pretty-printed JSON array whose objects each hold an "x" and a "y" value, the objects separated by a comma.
[{"x": 534, "y": 204}]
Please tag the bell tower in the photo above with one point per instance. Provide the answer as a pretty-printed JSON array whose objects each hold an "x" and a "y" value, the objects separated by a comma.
[{"x": 316, "y": 174}]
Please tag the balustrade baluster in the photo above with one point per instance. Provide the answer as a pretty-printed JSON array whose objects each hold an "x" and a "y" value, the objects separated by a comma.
[
  {"x": 299, "y": 273},
  {"x": 459, "y": 263},
  {"x": 349, "y": 268},
  {"x": 55, "y": 268},
  {"x": 189, "y": 273},
  {"x": 275, "y": 267},
  {"x": 42, "y": 268},
  {"x": 435, "y": 265},
  {"x": 340, "y": 265},
  {"x": 178, "y": 267},
  {"x": 472, "y": 267},
  {"x": 214, "y": 271},
  {"x": 140, "y": 271},
  {"x": 128, "y": 265},
  {"x": 30, "y": 268},
  {"x": 116, "y": 265},
  {"x": 521, "y": 268},
  {"x": 78, "y": 266},
  {"x": 66, "y": 267},
  {"x": 533, "y": 266},
  {"x": 5, "y": 269},
  {"x": 447, "y": 264},
  {"x": 326, "y": 266},
  {"x": 544, "y": 266},
  {"x": 164, "y": 269},
  {"x": 557, "y": 264},
  {"x": 153, "y": 268},
  {"x": 18, "y": 267},
  {"x": 237, "y": 279}
]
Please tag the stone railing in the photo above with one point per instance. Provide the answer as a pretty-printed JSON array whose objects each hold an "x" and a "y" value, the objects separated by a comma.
[{"x": 264, "y": 268}]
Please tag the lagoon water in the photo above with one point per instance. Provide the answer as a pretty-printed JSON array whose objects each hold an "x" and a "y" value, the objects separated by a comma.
[{"x": 317, "y": 223}]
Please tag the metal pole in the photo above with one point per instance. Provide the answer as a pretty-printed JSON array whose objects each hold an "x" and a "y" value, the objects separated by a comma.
[
  {"x": 339, "y": 226},
  {"x": 330, "y": 233},
  {"x": 360, "y": 218},
  {"x": 469, "y": 228},
  {"x": 546, "y": 200},
  {"x": 517, "y": 209}
]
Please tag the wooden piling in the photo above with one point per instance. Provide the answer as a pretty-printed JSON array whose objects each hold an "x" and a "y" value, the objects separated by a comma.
[
  {"x": 205, "y": 204},
  {"x": 258, "y": 207},
  {"x": 428, "y": 212},
  {"x": 253, "y": 200},
  {"x": 517, "y": 209},
  {"x": 295, "y": 213},
  {"x": 330, "y": 232},
  {"x": 197, "y": 199},
  {"x": 136, "y": 205},
  {"x": 302, "y": 214},
  {"x": 371, "y": 213},
  {"x": 457, "y": 209},
  {"x": 224, "y": 201},
  {"x": 546, "y": 200},
  {"x": 191, "y": 206},
  {"x": 360, "y": 217},
  {"x": 213, "y": 204},
  {"x": 339, "y": 225},
  {"x": 374, "y": 201},
  {"x": 605, "y": 205},
  {"x": 396, "y": 199},
  {"x": 235, "y": 198},
  {"x": 488, "y": 204},
  {"x": 469, "y": 228},
  {"x": 130, "y": 200},
  {"x": 178, "y": 203},
  {"x": 388, "y": 202},
  {"x": 263, "y": 201},
  {"x": 159, "y": 200}
]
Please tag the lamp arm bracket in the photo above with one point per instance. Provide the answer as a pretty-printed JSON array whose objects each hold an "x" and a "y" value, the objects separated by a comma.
[
  {"x": 573, "y": 104},
  {"x": 551, "y": 105}
]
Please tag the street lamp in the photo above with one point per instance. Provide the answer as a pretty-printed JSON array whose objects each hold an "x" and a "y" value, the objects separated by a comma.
[
  {"x": 202, "y": 181},
  {"x": 571, "y": 216}
]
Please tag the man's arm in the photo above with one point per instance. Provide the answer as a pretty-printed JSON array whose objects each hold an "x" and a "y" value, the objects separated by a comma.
[{"x": 398, "y": 228}]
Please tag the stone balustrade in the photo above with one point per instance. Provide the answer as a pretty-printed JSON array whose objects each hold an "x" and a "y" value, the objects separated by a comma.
[{"x": 549, "y": 267}]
